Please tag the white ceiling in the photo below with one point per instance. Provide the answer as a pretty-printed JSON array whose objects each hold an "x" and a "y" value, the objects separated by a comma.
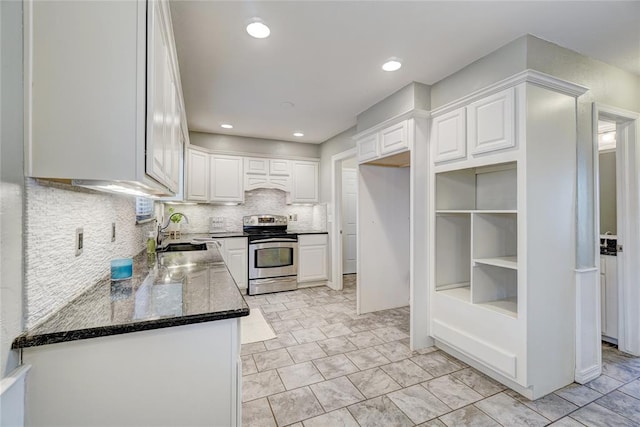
[{"x": 325, "y": 57}]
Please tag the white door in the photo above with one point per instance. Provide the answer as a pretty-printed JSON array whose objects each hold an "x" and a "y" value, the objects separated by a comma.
[{"x": 349, "y": 219}]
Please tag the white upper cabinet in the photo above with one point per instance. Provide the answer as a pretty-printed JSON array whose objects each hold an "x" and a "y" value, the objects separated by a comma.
[
  {"x": 448, "y": 136},
  {"x": 225, "y": 179},
  {"x": 267, "y": 173},
  {"x": 305, "y": 182},
  {"x": 394, "y": 138},
  {"x": 368, "y": 148},
  {"x": 110, "y": 98},
  {"x": 383, "y": 143},
  {"x": 197, "y": 175},
  {"x": 491, "y": 122}
]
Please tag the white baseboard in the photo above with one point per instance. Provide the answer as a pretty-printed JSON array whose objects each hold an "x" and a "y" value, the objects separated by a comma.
[{"x": 589, "y": 374}]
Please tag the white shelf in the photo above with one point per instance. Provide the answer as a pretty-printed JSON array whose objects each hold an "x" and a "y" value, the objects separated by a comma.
[
  {"x": 508, "y": 306},
  {"x": 503, "y": 261},
  {"x": 461, "y": 291}
]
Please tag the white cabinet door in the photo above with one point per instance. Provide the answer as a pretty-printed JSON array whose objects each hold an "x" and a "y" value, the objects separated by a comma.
[
  {"x": 394, "y": 138},
  {"x": 236, "y": 258},
  {"x": 491, "y": 122},
  {"x": 256, "y": 166},
  {"x": 368, "y": 148},
  {"x": 305, "y": 182},
  {"x": 448, "y": 136},
  {"x": 279, "y": 167},
  {"x": 197, "y": 175},
  {"x": 158, "y": 78},
  {"x": 609, "y": 303},
  {"x": 312, "y": 258},
  {"x": 225, "y": 179}
]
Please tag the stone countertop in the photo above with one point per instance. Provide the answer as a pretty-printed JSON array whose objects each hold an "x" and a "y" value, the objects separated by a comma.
[{"x": 170, "y": 289}]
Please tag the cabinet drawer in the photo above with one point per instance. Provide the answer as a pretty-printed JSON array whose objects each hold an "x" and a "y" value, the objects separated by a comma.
[
  {"x": 312, "y": 239},
  {"x": 394, "y": 138},
  {"x": 279, "y": 167}
]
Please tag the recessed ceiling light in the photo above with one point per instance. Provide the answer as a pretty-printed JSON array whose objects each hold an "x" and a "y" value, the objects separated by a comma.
[
  {"x": 226, "y": 126},
  {"x": 298, "y": 134},
  {"x": 258, "y": 29},
  {"x": 392, "y": 64}
]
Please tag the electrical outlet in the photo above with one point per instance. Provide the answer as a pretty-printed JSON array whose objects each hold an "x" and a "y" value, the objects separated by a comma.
[
  {"x": 79, "y": 240},
  {"x": 293, "y": 217},
  {"x": 113, "y": 231}
]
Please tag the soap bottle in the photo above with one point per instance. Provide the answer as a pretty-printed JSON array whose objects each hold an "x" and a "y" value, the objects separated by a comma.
[{"x": 151, "y": 244}]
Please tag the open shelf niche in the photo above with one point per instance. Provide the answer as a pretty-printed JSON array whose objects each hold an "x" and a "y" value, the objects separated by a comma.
[{"x": 477, "y": 236}]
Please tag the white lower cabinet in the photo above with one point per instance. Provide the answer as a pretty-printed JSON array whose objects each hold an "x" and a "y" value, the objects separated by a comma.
[
  {"x": 313, "y": 258},
  {"x": 150, "y": 378},
  {"x": 609, "y": 297},
  {"x": 235, "y": 254}
]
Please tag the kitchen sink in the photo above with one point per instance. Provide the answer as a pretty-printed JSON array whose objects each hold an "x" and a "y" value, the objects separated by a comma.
[{"x": 182, "y": 247}]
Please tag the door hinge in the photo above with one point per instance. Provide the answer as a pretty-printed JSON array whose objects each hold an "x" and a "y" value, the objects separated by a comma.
[{"x": 619, "y": 248}]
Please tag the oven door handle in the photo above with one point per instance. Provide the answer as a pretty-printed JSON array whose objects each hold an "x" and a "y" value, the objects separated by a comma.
[{"x": 273, "y": 240}]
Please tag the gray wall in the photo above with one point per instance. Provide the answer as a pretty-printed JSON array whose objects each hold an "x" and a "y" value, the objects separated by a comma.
[
  {"x": 12, "y": 182},
  {"x": 339, "y": 143},
  {"x": 498, "y": 65},
  {"x": 247, "y": 146},
  {"x": 413, "y": 96},
  {"x": 608, "y": 210}
]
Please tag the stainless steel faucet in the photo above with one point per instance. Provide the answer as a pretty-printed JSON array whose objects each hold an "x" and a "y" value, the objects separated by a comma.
[{"x": 163, "y": 227}]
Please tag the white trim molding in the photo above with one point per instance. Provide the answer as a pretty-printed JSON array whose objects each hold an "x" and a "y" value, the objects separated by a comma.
[
  {"x": 411, "y": 114},
  {"x": 530, "y": 76},
  {"x": 588, "y": 328}
]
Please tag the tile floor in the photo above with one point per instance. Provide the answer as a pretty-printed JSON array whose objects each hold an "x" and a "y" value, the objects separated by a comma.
[{"x": 329, "y": 367}]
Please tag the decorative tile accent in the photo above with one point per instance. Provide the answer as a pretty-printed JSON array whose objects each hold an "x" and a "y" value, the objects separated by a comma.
[
  {"x": 336, "y": 393},
  {"x": 261, "y": 384},
  {"x": 374, "y": 382},
  {"x": 379, "y": 412},
  {"x": 295, "y": 405},
  {"x": 299, "y": 375}
]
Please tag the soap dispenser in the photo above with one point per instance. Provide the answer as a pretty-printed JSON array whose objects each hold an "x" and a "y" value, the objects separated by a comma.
[{"x": 151, "y": 244}]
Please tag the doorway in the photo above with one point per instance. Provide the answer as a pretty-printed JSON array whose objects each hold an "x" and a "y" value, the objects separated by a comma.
[
  {"x": 343, "y": 245},
  {"x": 616, "y": 137}
]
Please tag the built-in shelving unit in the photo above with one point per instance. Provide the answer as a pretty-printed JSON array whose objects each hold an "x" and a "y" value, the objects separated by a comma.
[{"x": 476, "y": 236}]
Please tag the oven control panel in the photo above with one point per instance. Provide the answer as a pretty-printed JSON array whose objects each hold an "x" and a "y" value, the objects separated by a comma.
[{"x": 264, "y": 220}]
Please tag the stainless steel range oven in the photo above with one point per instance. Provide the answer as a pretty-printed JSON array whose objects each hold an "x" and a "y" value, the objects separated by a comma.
[{"x": 273, "y": 254}]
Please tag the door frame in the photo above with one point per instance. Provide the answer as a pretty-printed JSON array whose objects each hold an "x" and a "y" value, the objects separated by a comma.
[
  {"x": 336, "y": 225},
  {"x": 628, "y": 219}
]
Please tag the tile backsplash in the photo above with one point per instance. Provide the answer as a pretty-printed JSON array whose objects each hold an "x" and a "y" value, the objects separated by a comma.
[
  {"x": 54, "y": 275},
  {"x": 260, "y": 201}
]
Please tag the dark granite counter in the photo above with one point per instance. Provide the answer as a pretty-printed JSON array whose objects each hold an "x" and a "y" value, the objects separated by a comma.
[
  {"x": 172, "y": 289},
  {"x": 293, "y": 230}
]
